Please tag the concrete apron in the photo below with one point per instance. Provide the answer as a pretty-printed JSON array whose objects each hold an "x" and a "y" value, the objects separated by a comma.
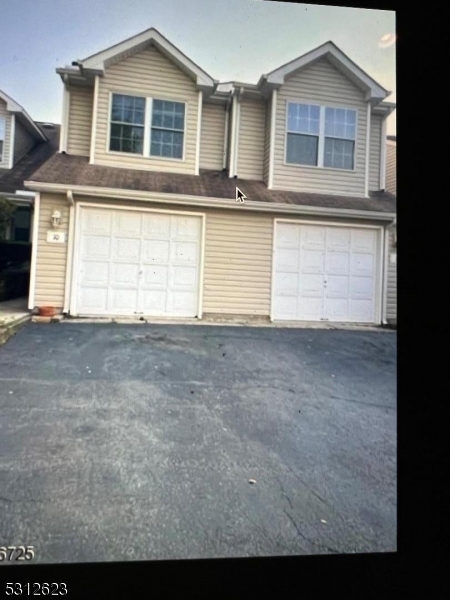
[{"x": 227, "y": 322}]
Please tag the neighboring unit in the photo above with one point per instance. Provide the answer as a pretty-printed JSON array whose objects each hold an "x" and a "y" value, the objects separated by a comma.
[{"x": 151, "y": 151}]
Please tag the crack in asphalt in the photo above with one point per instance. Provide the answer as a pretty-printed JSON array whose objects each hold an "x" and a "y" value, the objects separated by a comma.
[
  {"x": 303, "y": 536},
  {"x": 363, "y": 403}
]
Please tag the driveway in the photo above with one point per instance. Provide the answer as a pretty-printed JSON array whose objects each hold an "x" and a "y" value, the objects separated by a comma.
[{"x": 135, "y": 442}]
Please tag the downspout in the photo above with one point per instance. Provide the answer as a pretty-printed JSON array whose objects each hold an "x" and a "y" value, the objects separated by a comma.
[
  {"x": 227, "y": 130},
  {"x": 68, "y": 280},
  {"x": 238, "y": 126},
  {"x": 233, "y": 134},
  {"x": 383, "y": 153},
  {"x": 34, "y": 249},
  {"x": 65, "y": 116}
]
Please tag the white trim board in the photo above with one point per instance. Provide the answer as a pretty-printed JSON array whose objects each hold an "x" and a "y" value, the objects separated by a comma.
[{"x": 34, "y": 249}]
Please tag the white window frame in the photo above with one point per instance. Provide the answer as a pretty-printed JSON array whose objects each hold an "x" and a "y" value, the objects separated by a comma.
[
  {"x": 3, "y": 151},
  {"x": 321, "y": 145},
  {"x": 110, "y": 123},
  {"x": 147, "y": 126}
]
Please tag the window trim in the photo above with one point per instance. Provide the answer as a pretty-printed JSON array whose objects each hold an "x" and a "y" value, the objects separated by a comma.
[
  {"x": 147, "y": 126},
  {"x": 321, "y": 144},
  {"x": 3, "y": 151},
  {"x": 110, "y": 122}
]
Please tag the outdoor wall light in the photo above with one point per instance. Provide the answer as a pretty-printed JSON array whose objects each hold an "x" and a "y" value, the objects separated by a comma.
[{"x": 56, "y": 218}]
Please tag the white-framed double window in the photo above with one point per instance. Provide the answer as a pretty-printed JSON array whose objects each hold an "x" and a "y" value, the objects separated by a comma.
[
  {"x": 150, "y": 127},
  {"x": 2, "y": 137},
  {"x": 320, "y": 136}
]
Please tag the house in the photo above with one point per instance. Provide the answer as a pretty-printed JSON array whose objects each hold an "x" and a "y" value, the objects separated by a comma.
[
  {"x": 24, "y": 146},
  {"x": 138, "y": 211}
]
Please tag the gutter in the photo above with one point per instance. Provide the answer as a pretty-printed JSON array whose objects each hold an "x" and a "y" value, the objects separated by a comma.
[{"x": 209, "y": 202}]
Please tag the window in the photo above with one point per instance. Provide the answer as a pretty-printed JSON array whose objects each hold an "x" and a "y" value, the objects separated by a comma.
[
  {"x": 167, "y": 131},
  {"x": 2, "y": 136},
  {"x": 302, "y": 134},
  {"x": 320, "y": 136},
  {"x": 162, "y": 135},
  {"x": 340, "y": 132},
  {"x": 127, "y": 124}
]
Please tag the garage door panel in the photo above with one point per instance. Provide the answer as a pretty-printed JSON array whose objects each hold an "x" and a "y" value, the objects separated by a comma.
[
  {"x": 311, "y": 285},
  {"x": 95, "y": 273},
  {"x": 337, "y": 263},
  {"x": 184, "y": 252},
  {"x": 331, "y": 271},
  {"x": 124, "y": 273},
  {"x": 185, "y": 228},
  {"x": 127, "y": 224},
  {"x": 156, "y": 251},
  {"x": 155, "y": 276},
  {"x": 288, "y": 236},
  {"x": 97, "y": 222},
  {"x": 93, "y": 298},
  {"x": 181, "y": 302},
  {"x": 361, "y": 288},
  {"x": 287, "y": 283},
  {"x": 312, "y": 238},
  {"x": 184, "y": 278},
  {"x": 156, "y": 226},
  {"x": 125, "y": 249},
  {"x": 138, "y": 262},
  {"x": 95, "y": 247},
  {"x": 287, "y": 260},
  {"x": 362, "y": 264},
  {"x": 123, "y": 300},
  {"x": 309, "y": 309},
  {"x": 312, "y": 261}
]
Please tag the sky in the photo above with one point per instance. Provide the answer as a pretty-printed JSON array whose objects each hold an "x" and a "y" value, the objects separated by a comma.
[{"x": 230, "y": 39}]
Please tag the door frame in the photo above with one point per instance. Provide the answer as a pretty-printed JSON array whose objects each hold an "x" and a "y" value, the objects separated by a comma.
[
  {"x": 79, "y": 205},
  {"x": 380, "y": 254}
]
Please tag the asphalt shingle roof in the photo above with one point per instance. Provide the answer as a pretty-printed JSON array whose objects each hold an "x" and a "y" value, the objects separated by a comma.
[
  {"x": 76, "y": 170},
  {"x": 12, "y": 179}
]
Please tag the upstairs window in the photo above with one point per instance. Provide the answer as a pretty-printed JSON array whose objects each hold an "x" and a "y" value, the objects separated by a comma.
[
  {"x": 320, "y": 136},
  {"x": 340, "y": 133},
  {"x": 2, "y": 136},
  {"x": 303, "y": 134},
  {"x": 127, "y": 124},
  {"x": 167, "y": 131}
]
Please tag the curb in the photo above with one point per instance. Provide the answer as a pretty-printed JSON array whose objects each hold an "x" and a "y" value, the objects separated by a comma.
[{"x": 9, "y": 330}]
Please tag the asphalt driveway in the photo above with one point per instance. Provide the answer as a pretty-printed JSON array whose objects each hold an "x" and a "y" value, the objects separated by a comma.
[{"x": 135, "y": 442}]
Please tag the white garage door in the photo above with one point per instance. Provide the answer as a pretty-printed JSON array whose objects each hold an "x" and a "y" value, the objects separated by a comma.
[
  {"x": 137, "y": 263},
  {"x": 326, "y": 273}
]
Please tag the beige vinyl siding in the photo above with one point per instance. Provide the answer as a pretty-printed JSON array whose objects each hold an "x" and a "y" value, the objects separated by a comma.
[
  {"x": 51, "y": 258},
  {"x": 4, "y": 159},
  {"x": 252, "y": 120},
  {"x": 212, "y": 140},
  {"x": 80, "y": 120},
  {"x": 267, "y": 142},
  {"x": 391, "y": 306},
  {"x": 375, "y": 152},
  {"x": 23, "y": 141},
  {"x": 324, "y": 84},
  {"x": 147, "y": 73},
  {"x": 391, "y": 167}
]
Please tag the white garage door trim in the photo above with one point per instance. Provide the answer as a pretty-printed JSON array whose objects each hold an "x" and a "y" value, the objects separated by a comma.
[
  {"x": 77, "y": 239},
  {"x": 379, "y": 300}
]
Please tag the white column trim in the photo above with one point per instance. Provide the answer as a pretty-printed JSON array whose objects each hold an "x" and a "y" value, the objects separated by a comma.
[
  {"x": 64, "y": 120},
  {"x": 366, "y": 178},
  {"x": 69, "y": 259},
  {"x": 383, "y": 154},
  {"x": 225, "y": 141},
  {"x": 34, "y": 249},
  {"x": 385, "y": 275},
  {"x": 199, "y": 129},
  {"x": 233, "y": 137},
  {"x": 273, "y": 116},
  {"x": 94, "y": 121},
  {"x": 12, "y": 138},
  {"x": 238, "y": 125}
]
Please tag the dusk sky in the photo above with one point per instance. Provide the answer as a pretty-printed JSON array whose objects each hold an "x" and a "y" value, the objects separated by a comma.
[{"x": 229, "y": 39}]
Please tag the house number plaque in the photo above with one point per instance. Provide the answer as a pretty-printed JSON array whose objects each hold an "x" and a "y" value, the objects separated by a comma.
[{"x": 56, "y": 237}]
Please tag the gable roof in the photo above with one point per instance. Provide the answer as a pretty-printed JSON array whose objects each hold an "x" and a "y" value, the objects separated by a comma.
[
  {"x": 99, "y": 61},
  {"x": 338, "y": 59},
  {"x": 15, "y": 108}
]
